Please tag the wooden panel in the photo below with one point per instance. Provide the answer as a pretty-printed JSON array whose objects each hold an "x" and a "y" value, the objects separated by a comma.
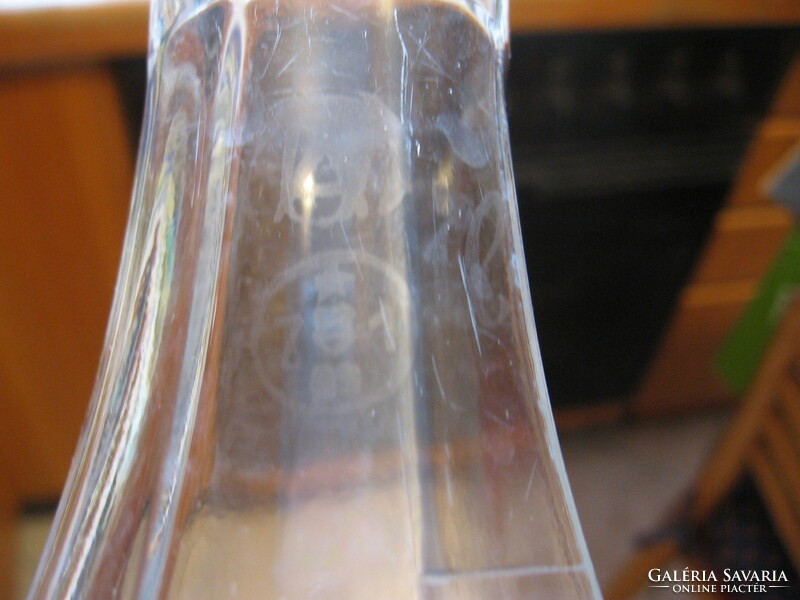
[
  {"x": 775, "y": 141},
  {"x": 65, "y": 176},
  {"x": 117, "y": 28},
  {"x": 615, "y": 14},
  {"x": 682, "y": 374},
  {"x": 743, "y": 243},
  {"x": 73, "y": 33}
]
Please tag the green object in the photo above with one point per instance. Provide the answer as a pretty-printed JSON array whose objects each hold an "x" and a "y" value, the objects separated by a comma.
[{"x": 742, "y": 350}]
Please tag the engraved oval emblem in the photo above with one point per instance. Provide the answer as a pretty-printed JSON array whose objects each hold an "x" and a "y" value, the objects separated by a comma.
[{"x": 335, "y": 335}]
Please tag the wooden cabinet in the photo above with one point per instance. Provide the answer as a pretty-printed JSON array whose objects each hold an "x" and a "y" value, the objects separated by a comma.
[{"x": 65, "y": 179}]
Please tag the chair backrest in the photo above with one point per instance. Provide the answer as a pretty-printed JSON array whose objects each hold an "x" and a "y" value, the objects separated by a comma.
[{"x": 764, "y": 438}]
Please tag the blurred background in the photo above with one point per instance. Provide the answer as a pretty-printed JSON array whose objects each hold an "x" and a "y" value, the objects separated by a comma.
[{"x": 644, "y": 135}]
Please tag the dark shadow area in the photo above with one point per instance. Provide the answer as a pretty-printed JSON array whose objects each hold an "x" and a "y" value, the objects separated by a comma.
[{"x": 624, "y": 146}]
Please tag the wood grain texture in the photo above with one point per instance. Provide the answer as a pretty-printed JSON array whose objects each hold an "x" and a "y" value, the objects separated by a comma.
[{"x": 65, "y": 177}]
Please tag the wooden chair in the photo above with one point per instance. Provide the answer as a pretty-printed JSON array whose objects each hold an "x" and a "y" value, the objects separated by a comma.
[{"x": 763, "y": 439}]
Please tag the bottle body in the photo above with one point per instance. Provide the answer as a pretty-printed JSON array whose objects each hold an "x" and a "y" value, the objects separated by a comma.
[{"x": 321, "y": 378}]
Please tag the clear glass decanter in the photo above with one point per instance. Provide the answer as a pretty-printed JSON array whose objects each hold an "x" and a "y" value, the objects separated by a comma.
[{"x": 321, "y": 378}]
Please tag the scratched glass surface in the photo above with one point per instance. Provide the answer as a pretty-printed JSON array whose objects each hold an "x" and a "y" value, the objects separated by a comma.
[{"x": 321, "y": 378}]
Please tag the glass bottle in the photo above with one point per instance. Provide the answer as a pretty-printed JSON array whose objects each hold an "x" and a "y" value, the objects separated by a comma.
[{"x": 321, "y": 377}]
